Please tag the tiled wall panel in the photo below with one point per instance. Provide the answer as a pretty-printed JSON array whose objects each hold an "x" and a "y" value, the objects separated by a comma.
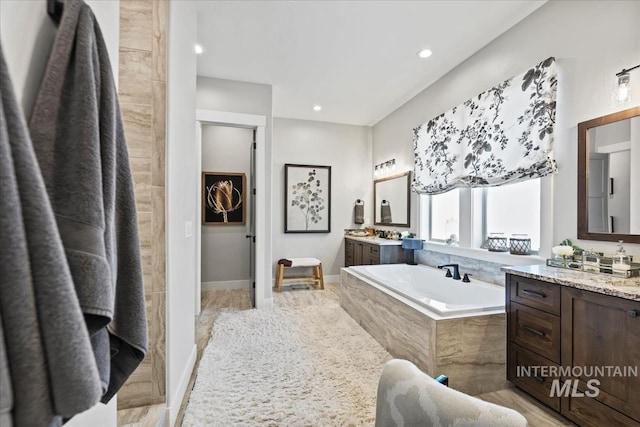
[{"x": 142, "y": 91}]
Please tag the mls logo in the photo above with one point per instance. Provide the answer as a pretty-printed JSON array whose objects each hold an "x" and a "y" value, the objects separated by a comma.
[{"x": 570, "y": 388}]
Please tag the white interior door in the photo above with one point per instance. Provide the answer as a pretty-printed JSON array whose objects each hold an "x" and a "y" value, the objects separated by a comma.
[{"x": 599, "y": 221}]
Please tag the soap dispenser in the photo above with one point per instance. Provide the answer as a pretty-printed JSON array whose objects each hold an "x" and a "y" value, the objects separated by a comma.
[{"x": 621, "y": 261}]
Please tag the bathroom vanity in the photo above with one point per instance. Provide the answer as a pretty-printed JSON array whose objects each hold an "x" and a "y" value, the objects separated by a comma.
[
  {"x": 372, "y": 250},
  {"x": 559, "y": 320}
]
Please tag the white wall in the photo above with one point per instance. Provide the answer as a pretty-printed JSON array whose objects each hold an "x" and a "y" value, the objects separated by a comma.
[
  {"x": 634, "y": 202},
  {"x": 591, "y": 40},
  {"x": 247, "y": 98},
  {"x": 347, "y": 149},
  {"x": 225, "y": 249},
  {"x": 27, "y": 34},
  {"x": 183, "y": 184}
]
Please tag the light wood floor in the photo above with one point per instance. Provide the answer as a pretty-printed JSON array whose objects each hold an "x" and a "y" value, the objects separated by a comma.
[{"x": 215, "y": 302}]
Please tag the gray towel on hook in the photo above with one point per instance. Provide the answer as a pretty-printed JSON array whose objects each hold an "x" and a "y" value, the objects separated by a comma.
[
  {"x": 79, "y": 139},
  {"x": 385, "y": 214},
  {"x": 46, "y": 365},
  {"x": 358, "y": 213}
]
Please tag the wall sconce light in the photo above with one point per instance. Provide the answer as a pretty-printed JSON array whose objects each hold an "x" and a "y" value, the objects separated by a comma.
[
  {"x": 623, "y": 93},
  {"x": 384, "y": 168}
]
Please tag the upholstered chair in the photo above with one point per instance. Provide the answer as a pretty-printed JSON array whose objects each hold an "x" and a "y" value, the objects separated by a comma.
[{"x": 410, "y": 398}]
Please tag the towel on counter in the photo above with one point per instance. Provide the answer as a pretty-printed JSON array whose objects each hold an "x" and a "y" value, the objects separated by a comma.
[
  {"x": 358, "y": 213},
  {"x": 79, "y": 140},
  {"x": 385, "y": 213},
  {"x": 47, "y": 371}
]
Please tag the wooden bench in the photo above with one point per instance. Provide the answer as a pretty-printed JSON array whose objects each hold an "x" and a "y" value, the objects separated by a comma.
[{"x": 316, "y": 278}]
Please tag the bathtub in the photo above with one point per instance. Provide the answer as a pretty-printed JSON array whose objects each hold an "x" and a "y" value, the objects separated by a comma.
[
  {"x": 442, "y": 325},
  {"x": 429, "y": 288}
]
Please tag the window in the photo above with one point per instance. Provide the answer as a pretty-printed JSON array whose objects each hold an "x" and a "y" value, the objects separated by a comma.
[
  {"x": 514, "y": 209},
  {"x": 472, "y": 215},
  {"x": 445, "y": 215}
]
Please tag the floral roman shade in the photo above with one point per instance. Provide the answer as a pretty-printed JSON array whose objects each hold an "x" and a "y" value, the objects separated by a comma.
[{"x": 503, "y": 135}]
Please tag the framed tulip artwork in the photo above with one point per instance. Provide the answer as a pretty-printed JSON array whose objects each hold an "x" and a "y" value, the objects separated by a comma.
[{"x": 223, "y": 198}]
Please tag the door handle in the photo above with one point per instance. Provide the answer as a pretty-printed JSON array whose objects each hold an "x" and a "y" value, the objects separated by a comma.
[{"x": 632, "y": 313}]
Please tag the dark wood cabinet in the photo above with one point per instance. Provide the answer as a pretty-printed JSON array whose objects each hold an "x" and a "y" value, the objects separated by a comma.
[
  {"x": 602, "y": 331},
  {"x": 364, "y": 253},
  {"x": 563, "y": 328}
]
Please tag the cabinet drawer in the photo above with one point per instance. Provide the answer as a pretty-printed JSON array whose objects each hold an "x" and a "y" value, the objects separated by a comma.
[
  {"x": 536, "y": 294},
  {"x": 532, "y": 380},
  {"x": 535, "y": 330},
  {"x": 589, "y": 412}
]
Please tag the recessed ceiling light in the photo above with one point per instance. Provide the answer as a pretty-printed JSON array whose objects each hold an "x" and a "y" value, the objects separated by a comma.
[
  {"x": 317, "y": 108},
  {"x": 424, "y": 53},
  {"x": 199, "y": 49}
]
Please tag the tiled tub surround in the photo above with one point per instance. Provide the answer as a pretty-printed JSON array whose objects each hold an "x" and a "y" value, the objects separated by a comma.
[
  {"x": 600, "y": 283},
  {"x": 427, "y": 287},
  {"x": 487, "y": 271},
  {"x": 470, "y": 349}
]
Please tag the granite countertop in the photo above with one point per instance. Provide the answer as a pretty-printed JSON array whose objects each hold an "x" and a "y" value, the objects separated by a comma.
[
  {"x": 601, "y": 283},
  {"x": 375, "y": 240}
]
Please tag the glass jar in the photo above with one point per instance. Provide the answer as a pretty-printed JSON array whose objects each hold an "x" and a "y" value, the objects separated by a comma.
[
  {"x": 591, "y": 261},
  {"x": 520, "y": 244},
  {"x": 497, "y": 242}
]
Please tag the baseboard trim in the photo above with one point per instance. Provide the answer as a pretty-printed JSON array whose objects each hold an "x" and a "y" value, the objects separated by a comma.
[
  {"x": 226, "y": 284},
  {"x": 162, "y": 422},
  {"x": 174, "y": 409},
  {"x": 333, "y": 278}
]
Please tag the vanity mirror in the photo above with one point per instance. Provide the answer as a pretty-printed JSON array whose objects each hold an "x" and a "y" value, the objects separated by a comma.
[
  {"x": 609, "y": 177},
  {"x": 392, "y": 200}
]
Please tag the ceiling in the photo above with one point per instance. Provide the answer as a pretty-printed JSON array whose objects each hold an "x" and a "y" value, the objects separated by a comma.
[{"x": 357, "y": 59}]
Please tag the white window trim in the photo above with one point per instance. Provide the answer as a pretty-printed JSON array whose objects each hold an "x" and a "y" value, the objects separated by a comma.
[{"x": 471, "y": 232}]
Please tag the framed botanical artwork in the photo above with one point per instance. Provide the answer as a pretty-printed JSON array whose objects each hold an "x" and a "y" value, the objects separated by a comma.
[
  {"x": 223, "y": 198},
  {"x": 307, "y": 199}
]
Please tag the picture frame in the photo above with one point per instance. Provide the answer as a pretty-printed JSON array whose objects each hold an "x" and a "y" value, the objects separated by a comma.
[
  {"x": 307, "y": 198},
  {"x": 223, "y": 198}
]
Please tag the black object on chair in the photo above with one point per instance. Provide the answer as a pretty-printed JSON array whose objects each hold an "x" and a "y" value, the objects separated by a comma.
[{"x": 443, "y": 379}]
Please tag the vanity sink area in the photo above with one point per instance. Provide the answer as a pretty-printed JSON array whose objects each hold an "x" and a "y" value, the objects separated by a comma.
[
  {"x": 372, "y": 250},
  {"x": 580, "y": 322}
]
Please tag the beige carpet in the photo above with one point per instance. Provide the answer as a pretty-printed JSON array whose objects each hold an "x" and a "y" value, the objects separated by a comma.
[{"x": 302, "y": 366}]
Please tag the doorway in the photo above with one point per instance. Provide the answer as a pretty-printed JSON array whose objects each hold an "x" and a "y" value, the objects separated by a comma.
[
  {"x": 228, "y": 180},
  {"x": 258, "y": 233}
]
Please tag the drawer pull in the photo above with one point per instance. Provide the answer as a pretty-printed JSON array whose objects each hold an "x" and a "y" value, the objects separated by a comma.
[
  {"x": 632, "y": 313},
  {"x": 533, "y": 331},
  {"x": 533, "y": 294},
  {"x": 540, "y": 379}
]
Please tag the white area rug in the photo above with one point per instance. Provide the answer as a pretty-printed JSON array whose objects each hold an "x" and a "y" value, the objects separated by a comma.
[{"x": 297, "y": 366}]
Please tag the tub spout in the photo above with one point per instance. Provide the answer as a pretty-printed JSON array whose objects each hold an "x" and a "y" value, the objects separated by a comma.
[{"x": 456, "y": 270}]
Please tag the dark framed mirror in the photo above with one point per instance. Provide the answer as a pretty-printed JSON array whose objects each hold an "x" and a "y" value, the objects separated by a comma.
[
  {"x": 609, "y": 177},
  {"x": 392, "y": 200}
]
